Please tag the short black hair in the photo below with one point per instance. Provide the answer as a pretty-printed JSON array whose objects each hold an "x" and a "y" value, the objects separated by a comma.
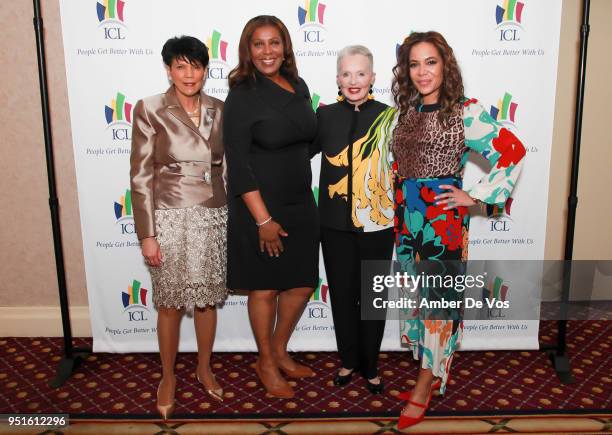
[{"x": 185, "y": 47}]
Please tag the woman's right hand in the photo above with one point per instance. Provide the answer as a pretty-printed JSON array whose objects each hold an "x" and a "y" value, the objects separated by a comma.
[
  {"x": 270, "y": 238},
  {"x": 151, "y": 251}
]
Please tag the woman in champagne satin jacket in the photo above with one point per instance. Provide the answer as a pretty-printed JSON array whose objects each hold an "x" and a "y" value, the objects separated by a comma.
[
  {"x": 177, "y": 164},
  {"x": 179, "y": 206}
]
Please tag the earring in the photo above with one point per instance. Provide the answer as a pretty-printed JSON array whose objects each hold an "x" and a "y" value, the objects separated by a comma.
[
  {"x": 340, "y": 97},
  {"x": 370, "y": 92}
]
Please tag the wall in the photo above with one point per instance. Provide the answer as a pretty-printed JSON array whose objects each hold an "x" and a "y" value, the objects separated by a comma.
[
  {"x": 28, "y": 288},
  {"x": 592, "y": 239}
]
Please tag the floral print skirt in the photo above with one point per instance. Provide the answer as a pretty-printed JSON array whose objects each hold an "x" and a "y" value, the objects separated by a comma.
[{"x": 425, "y": 231}]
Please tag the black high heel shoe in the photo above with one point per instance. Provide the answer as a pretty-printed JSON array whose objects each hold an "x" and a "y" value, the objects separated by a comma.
[
  {"x": 375, "y": 388},
  {"x": 340, "y": 380}
]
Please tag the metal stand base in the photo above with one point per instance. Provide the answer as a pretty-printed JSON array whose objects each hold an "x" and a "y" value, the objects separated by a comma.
[
  {"x": 66, "y": 367},
  {"x": 562, "y": 367}
]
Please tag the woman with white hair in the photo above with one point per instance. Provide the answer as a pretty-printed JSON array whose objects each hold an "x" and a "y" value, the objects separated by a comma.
[{"x": 355, "y": 206}]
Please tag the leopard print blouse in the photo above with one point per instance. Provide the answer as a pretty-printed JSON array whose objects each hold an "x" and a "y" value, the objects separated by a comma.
[{"x": 422, "y": 148}]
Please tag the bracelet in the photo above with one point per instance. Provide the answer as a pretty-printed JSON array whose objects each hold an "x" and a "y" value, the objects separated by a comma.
[{"x": 264, "y": 221}]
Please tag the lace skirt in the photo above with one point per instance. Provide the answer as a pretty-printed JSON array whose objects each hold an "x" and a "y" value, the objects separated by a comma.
[{"x": 193, "y": 243}]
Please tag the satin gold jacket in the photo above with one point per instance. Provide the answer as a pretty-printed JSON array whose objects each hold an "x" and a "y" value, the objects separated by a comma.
[{"x": 173, "y": 163}]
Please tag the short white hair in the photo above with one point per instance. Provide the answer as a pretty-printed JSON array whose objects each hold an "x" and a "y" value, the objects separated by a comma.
[{"x": 351, "y": 50}]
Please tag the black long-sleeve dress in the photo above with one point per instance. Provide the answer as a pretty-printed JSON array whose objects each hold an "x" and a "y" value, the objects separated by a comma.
[{"x": 267, "y": 132}]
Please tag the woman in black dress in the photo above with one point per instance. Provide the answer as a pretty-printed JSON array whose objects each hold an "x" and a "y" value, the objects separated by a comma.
[{"x": 273, "y": 225}]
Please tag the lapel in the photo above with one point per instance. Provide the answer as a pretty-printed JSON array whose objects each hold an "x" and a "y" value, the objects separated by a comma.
[
  {"x": 272, "y": 93},
  {"x": 207, "y": 113},
  {"x": 279, "y": 99}
]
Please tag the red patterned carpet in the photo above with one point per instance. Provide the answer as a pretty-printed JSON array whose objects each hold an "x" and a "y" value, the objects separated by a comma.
[{"x": 111, "y": 386}]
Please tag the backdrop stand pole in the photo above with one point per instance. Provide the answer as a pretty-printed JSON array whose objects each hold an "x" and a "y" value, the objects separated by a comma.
[
  {"x": 558, "y": 355},
  {"x": 72, "y": 356}
]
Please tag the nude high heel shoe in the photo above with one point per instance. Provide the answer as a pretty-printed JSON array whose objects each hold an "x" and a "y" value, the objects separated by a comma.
[
  {"x": 165, "y": 411},
  {"x": 284, "y": 392},
  {"x": 215, "y": 394},
  {"x": 300, "y": 372}
]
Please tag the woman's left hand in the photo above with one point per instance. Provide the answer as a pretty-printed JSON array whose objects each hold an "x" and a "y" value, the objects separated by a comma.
[{"x": 456, "y": 197}]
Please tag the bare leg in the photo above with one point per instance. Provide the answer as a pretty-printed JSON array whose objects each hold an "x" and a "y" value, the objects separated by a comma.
[
  {"x": 168, "y": 323},
  {"x": 262, "y": 314},
  {"x": 420, "y": 393},
  {"x": 205, "y": 320},
  {"x": 290, "y": 308}
]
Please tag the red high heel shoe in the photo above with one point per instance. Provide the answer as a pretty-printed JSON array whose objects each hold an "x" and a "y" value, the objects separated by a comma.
[
  {"x": 405, "y": 421},
  {"x": 438, "y": 382},
  {"x": 435, "y": 386}
]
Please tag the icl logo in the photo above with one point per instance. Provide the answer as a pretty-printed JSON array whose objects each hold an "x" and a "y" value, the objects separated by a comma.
[
  {"x": 509, "y": 35},
  {"x": 313, "y": 36},
  {"x": 311, "y": 21},
  {"x": 216, "y": 73},
  {"x": 508, "y": 18},
  {"x": 496, "y": 297},
  {"x": 317, "y": 307},
  {"x": 499, "y": 216},
  {"x": 135, "y": 302},
  {"x": 123, "y": 213},
  {"x": 113, "y": 33},
  {"x": 110, "y": 14},
  {"x": 500, "y": 225},
  {"x": 505, "y": 111},
  {"x": 217, "y": 51},
  {"x": 119, "y": 116},
  {"x": 121, "y": 134}
]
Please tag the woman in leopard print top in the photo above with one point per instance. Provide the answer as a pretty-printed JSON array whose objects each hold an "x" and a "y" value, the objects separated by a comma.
[{"x": 436, "y": 128}]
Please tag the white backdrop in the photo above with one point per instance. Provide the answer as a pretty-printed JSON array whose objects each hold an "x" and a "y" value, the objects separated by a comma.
[{"x": 507, "y": 50}]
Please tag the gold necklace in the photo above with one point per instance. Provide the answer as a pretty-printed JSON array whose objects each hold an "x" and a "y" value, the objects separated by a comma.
[{"x": 196, "y": 112}]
